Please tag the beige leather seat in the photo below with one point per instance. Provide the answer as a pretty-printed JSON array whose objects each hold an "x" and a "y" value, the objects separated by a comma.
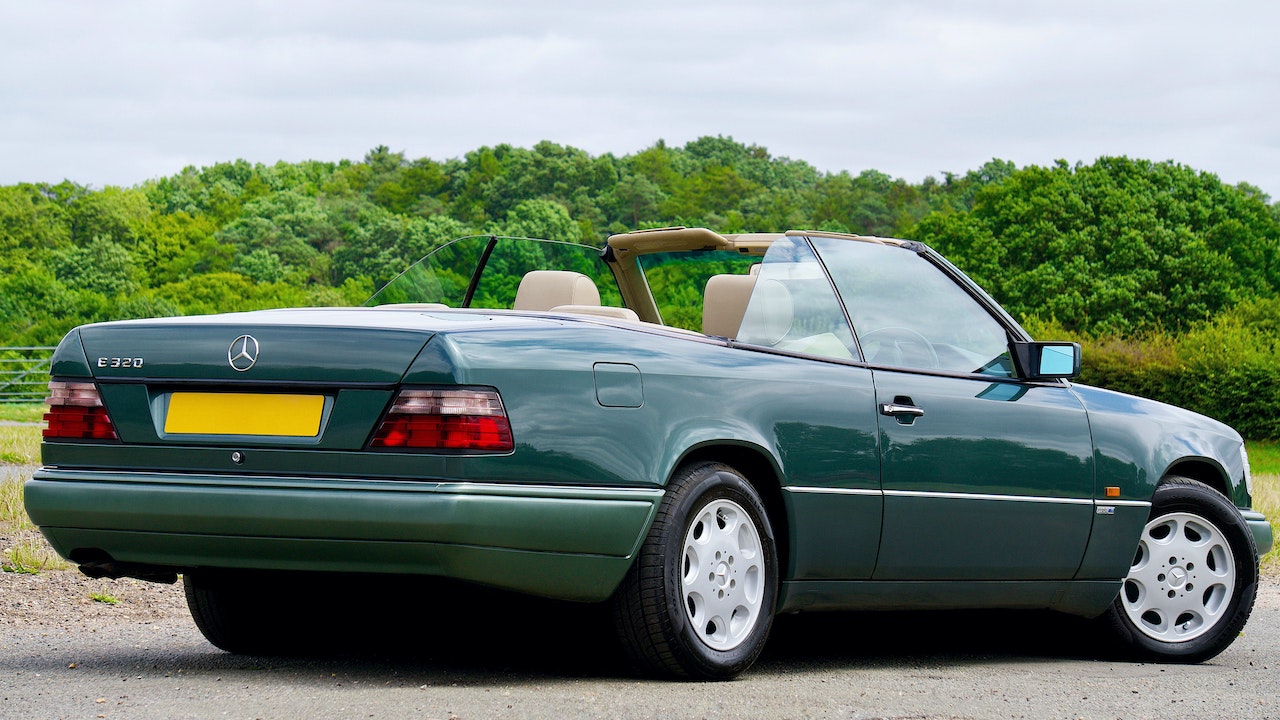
[
  {"x": 724, "y": 302},
  {"x": 562, "y": 291},
  {"x": 546, "y": 289}
]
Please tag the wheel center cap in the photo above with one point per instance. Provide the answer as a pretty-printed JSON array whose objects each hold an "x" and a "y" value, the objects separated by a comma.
[
  {"x": 1177, "y": 576},
  {"x": 722, "y": 574}
]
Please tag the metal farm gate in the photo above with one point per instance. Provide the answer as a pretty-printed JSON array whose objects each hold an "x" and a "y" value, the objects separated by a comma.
[{"x": 24, "y": 373}]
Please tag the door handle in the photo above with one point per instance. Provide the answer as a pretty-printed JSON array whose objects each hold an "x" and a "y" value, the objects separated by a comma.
[
  {"x": 903, "y": 409},
  {"x": 900, "y": 411}
]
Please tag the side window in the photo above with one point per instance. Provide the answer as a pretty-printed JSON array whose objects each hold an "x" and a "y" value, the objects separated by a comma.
[
  {"x": 793, "y": 306},
  {"x": 908, "y": 313}
]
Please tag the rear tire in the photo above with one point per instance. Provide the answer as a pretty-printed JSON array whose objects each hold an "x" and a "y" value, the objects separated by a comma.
[
  {"x": 698, "y": 601},
  {"x": 244, "y": 613},
  {"x": 1193, "y": 580}
]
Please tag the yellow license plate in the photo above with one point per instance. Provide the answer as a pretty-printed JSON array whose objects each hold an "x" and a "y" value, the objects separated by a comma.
[{"x": 244, "y": 414}]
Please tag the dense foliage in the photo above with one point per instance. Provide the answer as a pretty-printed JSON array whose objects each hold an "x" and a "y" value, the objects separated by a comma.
[
  {"x": 1113, "y": 253},
  {"x": 1119, "y": 246},
  {"x": 1226, "y": 368}
]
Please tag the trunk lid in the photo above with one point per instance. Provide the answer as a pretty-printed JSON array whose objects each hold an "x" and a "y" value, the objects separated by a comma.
[
  {"x": 287, "y": 346},
  {"x": 287, "y": 380},
  {"x": 318, "y": 378}
]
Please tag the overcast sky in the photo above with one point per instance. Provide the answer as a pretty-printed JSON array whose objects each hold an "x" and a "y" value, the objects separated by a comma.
[{"x": 115, "y": 93}]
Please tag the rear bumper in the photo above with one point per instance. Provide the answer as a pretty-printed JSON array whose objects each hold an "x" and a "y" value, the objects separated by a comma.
[
  {"x": 565, "y": 542},
  {"x": 1262, "y": 534}
]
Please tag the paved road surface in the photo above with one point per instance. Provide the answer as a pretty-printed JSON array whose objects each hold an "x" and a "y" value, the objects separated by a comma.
[{"x": 501, "y": 660}]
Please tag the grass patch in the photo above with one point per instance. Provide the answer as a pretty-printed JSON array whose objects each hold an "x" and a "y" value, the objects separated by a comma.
[
  {"x": 19, "y": 444},
  {"x": 13, "y": 515},
  {"x": 1264, "y": 459},
  {"x": 30, "y": 557},
  {"x": 22, "y": 412},
  {"x": 1264, "y": 456},
  {"x": 104, "y": 598},
  {"x": 1266, "y": 500},
  {"x": 24, "y": 549}
]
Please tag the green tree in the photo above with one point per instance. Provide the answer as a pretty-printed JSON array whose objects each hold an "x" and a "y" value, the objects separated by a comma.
[
  {"x": 540, "y": 219},
  {"x": 635, "y": 198},
  {"x": 292, "y": 226},
  {"x": 374, "y": 247},
  {"x": 177, "y": 245},
  {"x": 1119, "y": 246},
  {"x": 113, "y": 213},
  {"x": 261, "y": 265},
  {"x": 229, "y": 292},
  {"x": 713, "y": 190},
  {"x": 29, "y": 219},
  {"x": 102, "y": 266}
]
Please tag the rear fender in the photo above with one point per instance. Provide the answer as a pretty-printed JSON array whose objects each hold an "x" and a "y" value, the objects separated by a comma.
[
  {"x": 69, "y": 359},
  {"x": 689, "y": 439}
]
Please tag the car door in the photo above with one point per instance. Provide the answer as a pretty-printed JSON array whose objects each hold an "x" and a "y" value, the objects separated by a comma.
[
  {"x": 824, "y": 424},
  {"x": 985, "y": 476}
]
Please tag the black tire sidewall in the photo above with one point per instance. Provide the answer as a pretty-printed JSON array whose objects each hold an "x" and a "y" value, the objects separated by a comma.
[
  {"x": 1181, "y": 495},
  {"x": 222, "y": 612},
  {"x": 253, "y": 613},
  {"x": 707, "y": 484}
]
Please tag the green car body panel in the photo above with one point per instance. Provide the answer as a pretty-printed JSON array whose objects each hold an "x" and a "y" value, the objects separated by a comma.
[{"x": 602, "y": 413}]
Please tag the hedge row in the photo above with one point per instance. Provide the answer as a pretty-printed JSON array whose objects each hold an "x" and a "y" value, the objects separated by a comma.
[{"x": 1228, "y": 369}]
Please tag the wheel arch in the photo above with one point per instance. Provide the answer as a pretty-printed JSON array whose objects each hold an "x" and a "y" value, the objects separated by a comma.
[
  {"x": 761, "y": 470},
  {"x": 1200, "y": 469}
]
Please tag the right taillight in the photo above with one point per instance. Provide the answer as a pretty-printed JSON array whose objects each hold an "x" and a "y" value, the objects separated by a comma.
[
  {"x": 76, "y": 413},
  {"x": 445, "y": 419}
]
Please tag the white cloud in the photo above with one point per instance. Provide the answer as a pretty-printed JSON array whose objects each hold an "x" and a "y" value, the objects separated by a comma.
[{"x": 117, "y": 93}]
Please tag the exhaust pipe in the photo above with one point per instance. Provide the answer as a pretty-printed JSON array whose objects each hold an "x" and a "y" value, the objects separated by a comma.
[{"x": 114, "y": 570}]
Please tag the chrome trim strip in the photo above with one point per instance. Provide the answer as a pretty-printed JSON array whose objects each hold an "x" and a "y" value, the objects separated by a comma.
[
  {"x": 53, "y": 473},
  {"x": 966, "y": 496},
  {"x": 983, "y": 496},
  {"x": 831, "y": 491},
  {"x": 1122, "y": 503},
  {"x": 544, "y": 490}
]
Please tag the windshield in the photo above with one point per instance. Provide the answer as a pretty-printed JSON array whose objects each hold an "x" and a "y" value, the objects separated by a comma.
[{"x": 448, "y": 274}]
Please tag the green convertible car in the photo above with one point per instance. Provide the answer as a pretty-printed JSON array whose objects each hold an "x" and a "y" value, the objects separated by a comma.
[{"x": 701, "y": 430}]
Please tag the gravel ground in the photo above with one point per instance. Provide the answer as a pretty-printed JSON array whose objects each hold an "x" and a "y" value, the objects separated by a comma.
[
  {"x": 63, "y": 600},
  {"x": 64, "y": 656}
]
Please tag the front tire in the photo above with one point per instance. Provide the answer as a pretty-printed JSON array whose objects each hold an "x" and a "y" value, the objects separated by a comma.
[
  {"x": 1193, "y": 579},
  {"x": 698, "y": 601}
]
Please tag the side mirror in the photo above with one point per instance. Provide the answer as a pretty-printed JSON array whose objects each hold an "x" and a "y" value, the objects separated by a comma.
[{"x": 1046, "y": 360}]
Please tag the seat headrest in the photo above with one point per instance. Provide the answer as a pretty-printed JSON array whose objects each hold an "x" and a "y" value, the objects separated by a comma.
[
  {"x": 724, "y": 302},
  {"x": 545, "y": 289}
]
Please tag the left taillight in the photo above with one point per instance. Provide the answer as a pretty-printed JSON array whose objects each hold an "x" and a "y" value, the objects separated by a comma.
[
  {"x": 76, "y": 413},
  {"x": 466, "y": 419}
]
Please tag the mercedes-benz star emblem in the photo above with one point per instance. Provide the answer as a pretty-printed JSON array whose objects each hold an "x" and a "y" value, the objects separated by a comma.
[{"x": 243, "y": 353}]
